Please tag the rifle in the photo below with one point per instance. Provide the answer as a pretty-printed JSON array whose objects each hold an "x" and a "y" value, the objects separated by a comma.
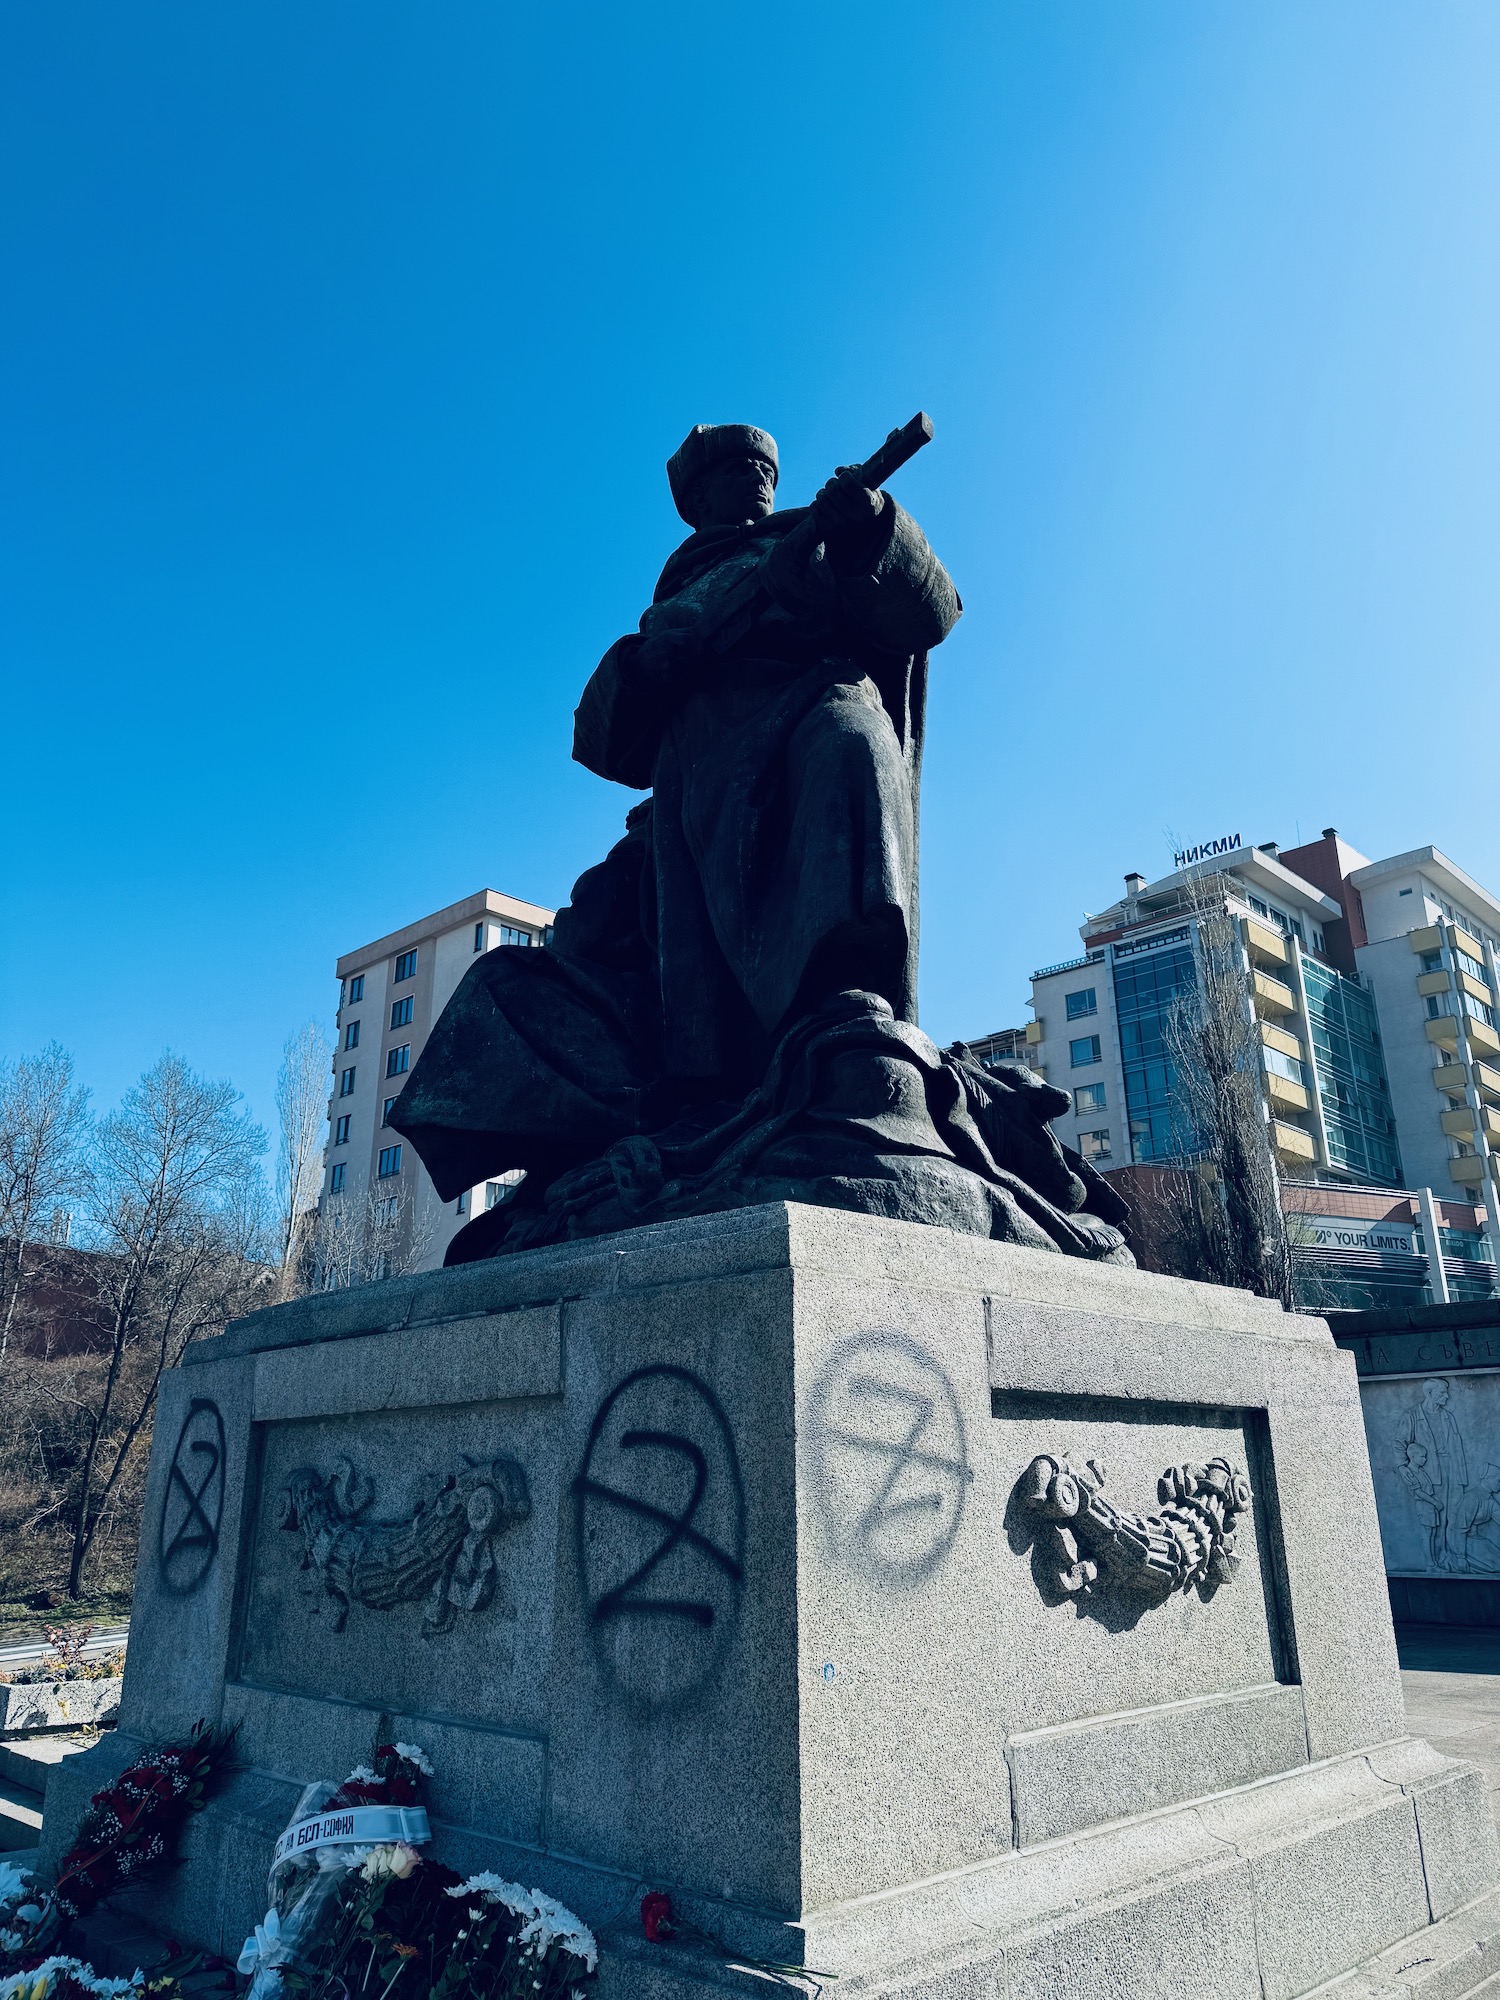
[{"x": 728, "y": 620}]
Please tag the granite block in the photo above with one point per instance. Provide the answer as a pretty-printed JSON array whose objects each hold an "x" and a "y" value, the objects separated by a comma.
[
  {"x": 1116, "y": 1766},
  {"x": 695, "y": 1559}
]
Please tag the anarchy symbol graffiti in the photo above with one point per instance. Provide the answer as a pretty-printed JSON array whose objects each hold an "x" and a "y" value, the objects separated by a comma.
[
  {"x": 194, "y": 1505},
  {"x": 660, "y": 1518}
]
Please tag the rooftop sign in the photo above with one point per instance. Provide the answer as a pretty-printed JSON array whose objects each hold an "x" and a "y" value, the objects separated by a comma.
[{"x": 1225, "y": 844}]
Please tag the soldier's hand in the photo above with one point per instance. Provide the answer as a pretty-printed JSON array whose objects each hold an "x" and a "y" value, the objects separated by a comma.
[{"x": 845, "y": 508}]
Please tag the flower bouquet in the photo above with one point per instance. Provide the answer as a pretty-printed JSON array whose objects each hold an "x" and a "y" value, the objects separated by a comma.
[
  {"x": 128, "y": 1828},
  {"x": 350, "y": 1919}
]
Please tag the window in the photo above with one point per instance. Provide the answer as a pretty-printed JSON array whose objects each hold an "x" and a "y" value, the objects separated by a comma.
[
  {"x": 1088, "y": 1097},
  {"x": 501, "y": 1190},
  {"x": 398, "y": 1061},
  {"x": 510, "y": 935},
  {"x": 336, "y": 1178},
  {"x": 1094, "y": 1145},
  {"x": 1472, "y": 966},
  {"x": 461, "y": 1206},
  {"x": 406, "y": 966},
  {"x": 390, "y": 1162},
  {"x": 478, "y": 946},
  {"x": 1259, "y": 907},
  {"x": 346, "y": 1084},
  {"x": 387, "y": 1213},
  {"x": 385, "y": 1116},
  {"x": 1082, "y": 1003},
  {"x": 351, "y": 1035},
  {"x": 401, "y": 1012},
  {"x": 1432, "y": 961},
  {"x": 1406, "y": 892},
  {"x": 341, "y": 1130},
  {"x": 356, "y": 988},
  {"x": 1084, "y": 1050},
  {"x": 1287, "y": 1066},
  {"x": 1477, "y": 1010},
  {"x": 1439, "y": 1004}
]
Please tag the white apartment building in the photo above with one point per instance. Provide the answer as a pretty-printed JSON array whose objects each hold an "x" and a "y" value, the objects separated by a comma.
[{"x": 377, "y": 1198}]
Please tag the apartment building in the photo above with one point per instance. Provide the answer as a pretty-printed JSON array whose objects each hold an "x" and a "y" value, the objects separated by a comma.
[
  {"x": 1373, "y": 988},
  {"x": 379, "y": 1207},
  {"x": 1100, "y": 1030}
]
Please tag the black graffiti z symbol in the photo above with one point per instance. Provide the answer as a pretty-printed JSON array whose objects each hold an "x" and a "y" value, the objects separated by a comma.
[
  {"x": 205, "y": 1533},
  {"x": 900, "y": 1454},
  {"x": 678, "y": 1528}
]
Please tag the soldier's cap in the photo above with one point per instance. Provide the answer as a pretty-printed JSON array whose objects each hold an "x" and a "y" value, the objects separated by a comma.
[{"x": 706, "y": 445}]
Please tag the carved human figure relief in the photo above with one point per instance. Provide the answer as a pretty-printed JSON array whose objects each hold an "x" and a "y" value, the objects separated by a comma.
[
  {"x": 443, "y": 1549},
  {"x": 1189, "y": 1541}
]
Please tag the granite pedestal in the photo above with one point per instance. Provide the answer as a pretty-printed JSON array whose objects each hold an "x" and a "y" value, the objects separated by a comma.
[{"x": 714, "y": 1558}]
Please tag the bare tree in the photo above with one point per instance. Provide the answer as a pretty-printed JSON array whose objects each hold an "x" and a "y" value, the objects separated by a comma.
[
  {"x": 175, "y": 1203},
  {"x": 302, "y": 1108},
  {"x": 1224, "y": 1209},
  {"x": 44, "y": 1119},
  {"x": 360, "y": 1239}
]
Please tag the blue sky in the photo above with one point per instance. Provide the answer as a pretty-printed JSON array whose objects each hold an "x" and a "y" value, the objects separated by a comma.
[{"x": 344, "y": 345}]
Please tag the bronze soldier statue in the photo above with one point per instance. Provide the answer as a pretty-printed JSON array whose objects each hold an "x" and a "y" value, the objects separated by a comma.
[{"x": 726, "y": 1011}]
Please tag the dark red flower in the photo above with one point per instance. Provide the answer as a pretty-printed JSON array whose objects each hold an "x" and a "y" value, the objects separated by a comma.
[{"x": 656, "y": 1916}]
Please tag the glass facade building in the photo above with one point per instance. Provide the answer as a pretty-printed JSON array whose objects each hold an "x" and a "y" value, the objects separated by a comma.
[
  {"x": 1148, "y": 978},
  {"x": 1356, "y": 1098}
]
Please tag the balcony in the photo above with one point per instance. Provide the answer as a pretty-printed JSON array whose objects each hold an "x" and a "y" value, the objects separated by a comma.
[
  {"x": 1432, "y": 982},
  {"x": 1285, "y": 1094},
  {"x": 1487, "y": 1081},
  {"x": 1443, "y": 1031},
  {"x": 1265, "y": 946},
  {"x": 1428, "y": 938},
  {"x": 1459, "y": 1123},
  {"x": 1467, "y": 943},
  {"x": 1035, "y": 1034},
  {"x": 1469, "y": 1171},
  {"x": 1476, "y": 988},
  {"x": 1289, "y": 1142},
  {"x": 1489, "y": 1123},
  {"x": 1482, "y": 1040},
  {"x": 1453, "y": 1077},
  {"x": 1277, "y": 1038},
  {"x": 1272, "y": 996}
]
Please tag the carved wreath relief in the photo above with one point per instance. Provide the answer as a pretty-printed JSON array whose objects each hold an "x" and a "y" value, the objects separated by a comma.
[
  {"x": 445, "y": 1548},
  {"x": 1190, "y": 1541}
]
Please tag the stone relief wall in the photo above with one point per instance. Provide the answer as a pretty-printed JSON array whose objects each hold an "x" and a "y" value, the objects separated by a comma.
[
  {"x": 1435, "y": 1454},
  {"x": 442, "y": 1550},
  {"x": 405, "y": 1559}
]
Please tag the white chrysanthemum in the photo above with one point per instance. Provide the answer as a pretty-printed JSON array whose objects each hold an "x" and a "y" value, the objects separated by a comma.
[
  {"x": 361, "y": 1775},
  {"x": 495, "y": 1889},
  {"x": 14, "y": 1883},
  {"x": 554, "y": 1923},
  {"x": 41, "y": 1979},
  {"x": 414, "y": 1755}
]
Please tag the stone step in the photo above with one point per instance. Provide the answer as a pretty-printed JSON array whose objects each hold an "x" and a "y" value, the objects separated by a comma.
[
  {"x": 20, "y": 1816},
  {"x": 26, "y": 1760},
  {"x": 1457, "y": 1959}
]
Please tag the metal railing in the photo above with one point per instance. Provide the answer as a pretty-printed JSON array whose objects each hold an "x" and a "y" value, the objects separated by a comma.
[{"x": 1070, "y": 965}]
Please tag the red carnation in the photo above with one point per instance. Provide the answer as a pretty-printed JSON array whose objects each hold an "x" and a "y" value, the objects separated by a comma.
[{"x": 656, "y": 1916}]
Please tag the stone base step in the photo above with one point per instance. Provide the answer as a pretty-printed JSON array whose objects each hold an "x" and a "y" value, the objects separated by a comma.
[
  {"x": 1457, "y": 1959},
  {"x": 20, "y": 1816}
]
